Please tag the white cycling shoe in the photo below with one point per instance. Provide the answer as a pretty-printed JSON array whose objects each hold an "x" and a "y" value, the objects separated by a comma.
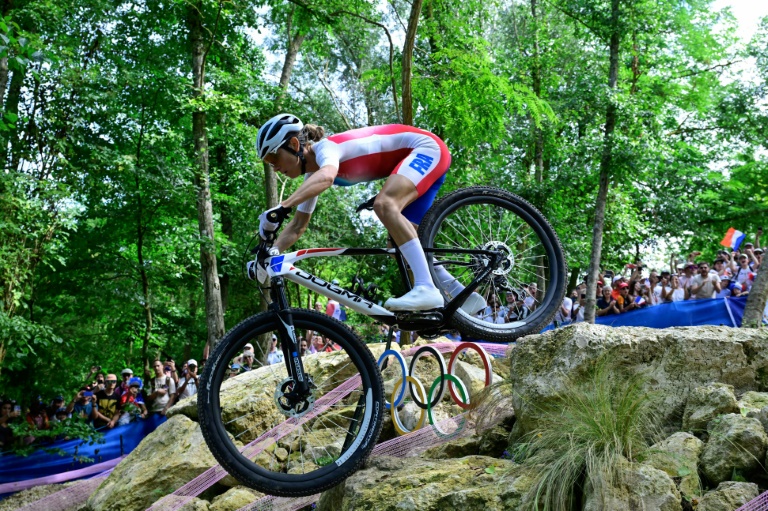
[
  {"x": 420, "y": 298},
  {"x": 474, "y": 304}
]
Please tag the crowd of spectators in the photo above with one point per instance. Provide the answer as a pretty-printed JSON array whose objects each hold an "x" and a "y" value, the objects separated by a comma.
[
  {"x": 103, "y": 402},
  {"x": 731, "y": 273}
]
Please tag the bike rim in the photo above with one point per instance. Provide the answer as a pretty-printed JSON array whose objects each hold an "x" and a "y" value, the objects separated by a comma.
[
  {"x": 496, "y": 224},
  {"x": 305, "y": 443}
]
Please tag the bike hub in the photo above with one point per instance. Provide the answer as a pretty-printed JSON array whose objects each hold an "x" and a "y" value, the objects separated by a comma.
[{"x": 290, "y": 403}]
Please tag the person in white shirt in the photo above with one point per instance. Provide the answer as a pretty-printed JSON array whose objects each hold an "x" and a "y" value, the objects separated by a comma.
[
  {"x": 275, "y": 355},
  {"x": 705, "y": 284},
  {"x": 189, "y": 381}
]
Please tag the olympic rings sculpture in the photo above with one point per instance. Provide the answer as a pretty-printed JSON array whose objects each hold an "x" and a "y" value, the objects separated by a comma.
[{"x": 409, "y": 384}]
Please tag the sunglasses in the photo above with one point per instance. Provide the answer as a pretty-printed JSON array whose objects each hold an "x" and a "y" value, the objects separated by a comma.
[
  {"x": 135, "y": 386},
  {"x": 111, "y": 381}
]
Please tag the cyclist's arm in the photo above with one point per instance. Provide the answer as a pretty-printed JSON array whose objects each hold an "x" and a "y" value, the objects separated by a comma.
[
  {"x": 293, "y": 231},
  {"x": 312, "y": 186}
]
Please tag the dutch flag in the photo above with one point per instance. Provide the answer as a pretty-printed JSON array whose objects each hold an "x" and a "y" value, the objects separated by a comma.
[{"x": 733, "y": 239}]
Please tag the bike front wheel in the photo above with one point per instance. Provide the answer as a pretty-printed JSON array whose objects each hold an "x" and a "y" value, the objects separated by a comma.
[
  {"x": 283, "y": 447},
  {"x": 525, "y": 291}
]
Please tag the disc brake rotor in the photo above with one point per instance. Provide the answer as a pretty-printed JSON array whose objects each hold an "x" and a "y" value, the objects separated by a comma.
[{"x": 289, "y": 405}]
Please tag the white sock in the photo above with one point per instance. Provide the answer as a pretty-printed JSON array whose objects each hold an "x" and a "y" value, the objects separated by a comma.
[
  {"x": 414, "y": 256},
  {"x": 448, "y": 282}
]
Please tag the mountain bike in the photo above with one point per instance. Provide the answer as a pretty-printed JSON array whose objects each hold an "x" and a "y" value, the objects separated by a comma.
[{"x": 301, "y": 426}]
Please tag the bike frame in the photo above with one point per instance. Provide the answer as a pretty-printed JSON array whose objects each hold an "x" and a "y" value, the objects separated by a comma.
[{"x": 280, "y": 267}]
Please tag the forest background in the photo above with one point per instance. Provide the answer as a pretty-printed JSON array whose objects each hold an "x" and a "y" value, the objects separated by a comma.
[{"x": 130, "y": 188}]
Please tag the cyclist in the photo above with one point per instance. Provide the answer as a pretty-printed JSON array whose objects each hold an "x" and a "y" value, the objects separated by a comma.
[{"x": 413, "y": 161}]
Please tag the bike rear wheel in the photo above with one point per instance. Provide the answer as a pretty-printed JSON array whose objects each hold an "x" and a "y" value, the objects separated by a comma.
[
  {"x": 493, "y": 219},
  {"x": 292, "y": 450}
]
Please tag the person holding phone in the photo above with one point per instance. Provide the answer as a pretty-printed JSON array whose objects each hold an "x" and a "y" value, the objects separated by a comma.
[
  {"x": 83, "y": 405},
  {"x": 9, "y": 413}
]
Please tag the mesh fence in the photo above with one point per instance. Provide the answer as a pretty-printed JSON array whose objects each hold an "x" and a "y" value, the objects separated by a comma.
[
  {"x": 407, "y": 445},
  {"x": 757, "y": 504},
  {"x": 69, "y": 497}
]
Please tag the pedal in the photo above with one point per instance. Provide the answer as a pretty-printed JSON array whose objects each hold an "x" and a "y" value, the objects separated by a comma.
[{"x": 433, "y": 315}]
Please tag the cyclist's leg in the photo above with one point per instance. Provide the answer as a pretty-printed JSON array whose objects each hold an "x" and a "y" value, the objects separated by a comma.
[{"x": 411, "y": 180}]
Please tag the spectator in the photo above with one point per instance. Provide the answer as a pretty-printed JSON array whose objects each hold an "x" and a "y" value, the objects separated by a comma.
[
  {"x": 9, "y": 413},
  {"x": 625, "y": 303},
  {"x": 107, "y": 404},
  {"x": 606, "y": 304},
  {"x": 678, "y": 294},
  {"x": 131, "y": 403},
  {"x": 758, "y": 258},
  {"x": 163, "y": 389},
  {"x": 493, "y": 312},
  {"x": 563, "y": 314},
  {"x": 247, "y": 360},
  {"x": 725, "y": 287},
  {"x": 318, "y": 343},
  {"x": 126, "y": 374},
  {"x": 516, "y": 308},
  {"x": 743, "y": 273},
  {"x": 189, "y": 382},
  {"x": 687, "y": 277},
  {"x": 239, "y": 359},
  {"x": 721, "y": 267},
  {"x": 304, "y": 347},
  {"x": 275, "y": 355},
  {"x": 234, "y": 370},
  {"x": 82, "y": 405},
  {"x": 530, "y": 301},
  {"x": 57, "y": 403},
  {"x": 319, "y": 307},
  {"x": 37, "y": 418},
  {"x": 170, "y": 370},
  {"x": 661, "y": 291},
  {"x": 705, "y": 284},
  {"x": 60, "y": 415},
  {"x": 577, "y": 312}
]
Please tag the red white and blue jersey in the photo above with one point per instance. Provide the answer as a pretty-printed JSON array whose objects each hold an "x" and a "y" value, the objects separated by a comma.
[{"x": 369, "y": 154}]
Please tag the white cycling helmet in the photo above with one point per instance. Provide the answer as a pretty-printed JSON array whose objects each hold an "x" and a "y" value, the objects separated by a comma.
[{"x": 275, "y": 132}]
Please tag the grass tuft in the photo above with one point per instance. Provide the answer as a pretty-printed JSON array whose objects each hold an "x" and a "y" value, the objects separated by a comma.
[{"x": 583, "y": 436}]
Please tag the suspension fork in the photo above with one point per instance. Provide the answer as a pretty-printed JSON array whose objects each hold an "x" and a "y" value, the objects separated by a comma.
[{"x": 288, "y": 342}]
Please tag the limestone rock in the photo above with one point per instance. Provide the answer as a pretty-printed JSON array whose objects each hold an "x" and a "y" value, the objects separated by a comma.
[
  {"x": 753, "y": 401},
  {"x": 675, "y": 361},
  {"x": 494, "y": 441},
  {"x": 169, "y": 457},
  {"x": 735, "y": 443},
  {"x": 474, "y": 483},
  {"x": 637, "y": 486},
  {"x": 234, "y": 498},
  {"x": 195, "y": 504},
  {"x": 728, "y": 496},
  {"x": 473, "y": 377},
  {"x": 761, "y": 415},
  {"x": 467, "y": 446},
  {"x": 678, "y": 456},
  {"x": 707, "y": 402},
  {"x": 31, "y": 495}
]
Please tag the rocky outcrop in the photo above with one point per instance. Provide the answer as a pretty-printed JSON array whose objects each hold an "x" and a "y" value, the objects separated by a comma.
[
  {"x": 635, "y": 486},
  {"x": 473, "y": 483},
  {"x": 234, "y": 498},
  {"x": 753, "y": 401},
  {"x": 736, "y": 443},
  {"x": 674, "y": 361},
  {"x": 706, "y": 403},
  {"x": 678, "y": 456},
  {"x": 172, "y": 455},
  {"x": 728, "y": 496}
]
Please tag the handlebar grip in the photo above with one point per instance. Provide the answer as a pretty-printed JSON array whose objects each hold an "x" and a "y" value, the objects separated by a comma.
[{"x": 273, "y": 217}]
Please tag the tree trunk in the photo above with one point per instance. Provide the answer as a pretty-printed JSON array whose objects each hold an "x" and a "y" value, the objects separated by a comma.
[
  {"x": 410, "y": 41},
  {"x": 214, "y": 312},
  {"x": 227, "y": 224},
  {"x": 758, "y": 296},
  {"x": 538, "y": 135},
  {"x": 12, "y": 106},
  {"x": 147, "y": 305},
  {"x": 605, "y": 168}
]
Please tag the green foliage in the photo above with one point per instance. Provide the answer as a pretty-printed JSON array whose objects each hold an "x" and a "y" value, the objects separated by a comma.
[
  {"x": 72, "y": 428},
  {"x": 599, "y": 419}
]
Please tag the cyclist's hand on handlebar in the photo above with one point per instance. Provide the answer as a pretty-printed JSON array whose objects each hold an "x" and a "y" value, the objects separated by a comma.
[{"x": 270, "y": 221}]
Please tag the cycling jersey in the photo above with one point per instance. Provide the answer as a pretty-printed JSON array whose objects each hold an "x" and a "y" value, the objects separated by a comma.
[{"x": 373, "y": 153}]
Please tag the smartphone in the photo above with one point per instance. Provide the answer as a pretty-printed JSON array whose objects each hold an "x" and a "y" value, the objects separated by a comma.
[
  {"x": 17, "y": 409},
  {"x": 87, "y": 393}
]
